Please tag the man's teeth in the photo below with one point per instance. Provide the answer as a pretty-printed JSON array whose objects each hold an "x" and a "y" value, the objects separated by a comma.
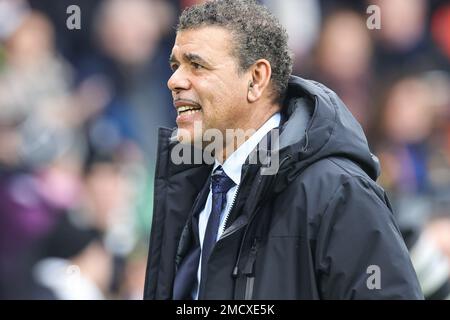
[
  {"x": 187, "y": 110},
  {"x": 190, "y": 111}
]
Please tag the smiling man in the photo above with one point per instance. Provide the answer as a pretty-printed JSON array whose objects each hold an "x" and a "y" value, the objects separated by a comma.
[
  {"x": 318, "y": 228},
  {"x": 211, "y": 88}
]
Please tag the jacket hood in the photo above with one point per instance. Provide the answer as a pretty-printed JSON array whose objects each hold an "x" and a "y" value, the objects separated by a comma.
[{"x": 316, "y": 124}]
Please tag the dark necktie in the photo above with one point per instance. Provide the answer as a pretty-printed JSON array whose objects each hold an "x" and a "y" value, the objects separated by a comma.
[{"x": 220, "y": 185}]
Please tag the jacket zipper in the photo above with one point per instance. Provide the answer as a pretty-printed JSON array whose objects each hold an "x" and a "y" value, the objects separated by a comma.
[
  {"x": 233, "y": 204},
  {"x": 249, "y": 271},
  {"x": 225, "y": 225},
  {"x": 231, "y": 208}
]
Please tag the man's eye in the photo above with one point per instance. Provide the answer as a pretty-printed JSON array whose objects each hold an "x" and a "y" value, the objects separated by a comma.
[
  {"x": 196, "y": 65},
  {"x": 174, "y": 67}
]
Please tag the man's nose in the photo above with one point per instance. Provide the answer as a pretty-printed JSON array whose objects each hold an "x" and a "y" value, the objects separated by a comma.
[{"x": 178, "y": 81}]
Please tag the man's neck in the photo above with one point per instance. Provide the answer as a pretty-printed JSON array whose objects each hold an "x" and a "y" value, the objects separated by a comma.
[{"x": 237, "y": 138}]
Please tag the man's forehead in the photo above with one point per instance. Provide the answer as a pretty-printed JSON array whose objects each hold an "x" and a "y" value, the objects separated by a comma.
[{"x": 205, "y": 41}]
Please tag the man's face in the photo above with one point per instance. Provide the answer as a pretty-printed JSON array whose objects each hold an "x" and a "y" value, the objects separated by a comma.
[{"x": 206, "y": 78}]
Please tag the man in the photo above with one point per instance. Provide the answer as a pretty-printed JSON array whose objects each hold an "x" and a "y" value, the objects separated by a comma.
[{"x": 318, "y": 227}]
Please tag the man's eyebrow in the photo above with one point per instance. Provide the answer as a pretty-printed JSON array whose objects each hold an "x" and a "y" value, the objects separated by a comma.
[{"x": 191, "y": 57}]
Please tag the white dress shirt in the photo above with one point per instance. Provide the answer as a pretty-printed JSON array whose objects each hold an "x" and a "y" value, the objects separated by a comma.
[{"x": 232, "y": 168}]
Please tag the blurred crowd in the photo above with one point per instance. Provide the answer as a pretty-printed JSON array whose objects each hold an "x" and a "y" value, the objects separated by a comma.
[{"x": 80, "y": 111}]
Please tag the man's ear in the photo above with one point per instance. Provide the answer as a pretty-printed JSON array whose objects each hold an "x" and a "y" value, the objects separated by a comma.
[{"x": 261, "y": 72}]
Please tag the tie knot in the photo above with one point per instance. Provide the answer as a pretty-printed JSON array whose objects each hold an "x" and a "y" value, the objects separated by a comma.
[{"x": 220, "y": 182}]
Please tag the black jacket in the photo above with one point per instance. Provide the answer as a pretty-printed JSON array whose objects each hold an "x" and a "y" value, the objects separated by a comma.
[{"x": 315, "y": 230}]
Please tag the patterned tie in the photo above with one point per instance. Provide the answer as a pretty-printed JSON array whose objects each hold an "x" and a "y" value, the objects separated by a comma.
[{"x": 220, "y": 184}]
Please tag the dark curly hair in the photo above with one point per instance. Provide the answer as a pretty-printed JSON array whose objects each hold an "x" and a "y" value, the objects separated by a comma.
[{"x": 256, "y": 31}]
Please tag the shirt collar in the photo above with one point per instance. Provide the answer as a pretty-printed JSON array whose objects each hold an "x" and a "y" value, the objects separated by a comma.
[{"x": 233, "y": 164}]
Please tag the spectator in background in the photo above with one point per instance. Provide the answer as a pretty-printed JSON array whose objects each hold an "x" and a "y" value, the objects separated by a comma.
[
  {"x": 36, "y": 129},
  {"x": 129, "y": 58},
  {"x": 73, "y": 263},
  {"x": 412, "y": 134},
  {"x": 101, "y": 235},
  {"x": 404, "y": 43},
  {"x": 406, "y": 124},
  {"x": 42, "y": 153},
  {"x": 406, "y": 150},
  {"x": 25, "y": 215},
  {"x": 302, "y": 22},
  {"x": 128, "y": 63},
  {"x": 30, "y": 53},
  {"x": 342, "y": 60}
]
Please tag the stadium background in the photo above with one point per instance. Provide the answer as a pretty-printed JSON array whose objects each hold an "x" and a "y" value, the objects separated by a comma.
[{"x": 79, "y": 112}]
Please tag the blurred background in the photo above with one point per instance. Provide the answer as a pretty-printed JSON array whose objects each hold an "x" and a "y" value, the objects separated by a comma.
[{"x": 79, "y": 112}]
